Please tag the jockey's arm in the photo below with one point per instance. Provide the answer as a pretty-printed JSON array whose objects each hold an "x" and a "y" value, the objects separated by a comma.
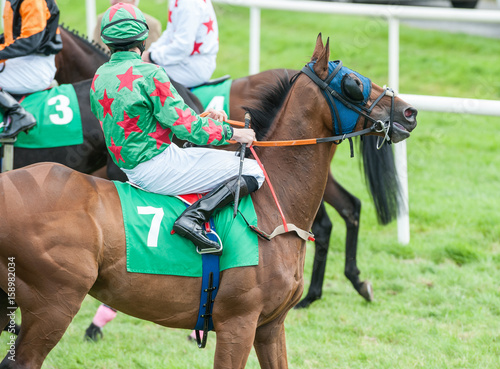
[{"x": 175, "y": 114}]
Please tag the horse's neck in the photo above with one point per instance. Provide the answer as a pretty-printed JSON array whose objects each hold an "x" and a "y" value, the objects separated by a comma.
[
  {"x": 298, "y": 173},
  {"x": 80, "y": 57}
]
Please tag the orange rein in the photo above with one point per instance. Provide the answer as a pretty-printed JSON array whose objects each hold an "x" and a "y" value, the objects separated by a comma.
[{"x": 235, "y": 123}]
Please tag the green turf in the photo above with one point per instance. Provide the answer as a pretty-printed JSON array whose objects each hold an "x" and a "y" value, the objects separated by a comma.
[{"x": 437, "y": 300}]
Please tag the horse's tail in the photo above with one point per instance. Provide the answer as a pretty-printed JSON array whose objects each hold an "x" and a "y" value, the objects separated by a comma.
[{"x": 381, "y": 179}]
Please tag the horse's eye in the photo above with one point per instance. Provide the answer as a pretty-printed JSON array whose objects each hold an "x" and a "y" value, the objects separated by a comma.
[{"x": 351, "y": 88}]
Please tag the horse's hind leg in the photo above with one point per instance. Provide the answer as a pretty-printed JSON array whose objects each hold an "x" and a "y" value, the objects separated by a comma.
[
  {"x": 322, "y": 228},
  {"x": 41, "y": 329},
  {"x": 349, "y": 208},
  {"x": 46, "y": 313}
]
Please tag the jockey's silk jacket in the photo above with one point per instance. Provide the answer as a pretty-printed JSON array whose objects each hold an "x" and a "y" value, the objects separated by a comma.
[
  {"x": 192, "y": 31},
  {"x": 140, "y": 111},
  {"x": 30, "y": 27}
]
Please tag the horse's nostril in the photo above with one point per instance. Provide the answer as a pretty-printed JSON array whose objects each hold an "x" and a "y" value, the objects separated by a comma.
[{"x": 411, "y": 112}]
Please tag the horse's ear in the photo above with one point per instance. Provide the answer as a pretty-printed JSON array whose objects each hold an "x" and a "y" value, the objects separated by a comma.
[
  {"x": 321, "y": 65},
  {"x": 318, "y": 49}
]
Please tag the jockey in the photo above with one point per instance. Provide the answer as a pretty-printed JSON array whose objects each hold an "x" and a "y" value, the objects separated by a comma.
[
  {"x": 140, "y": 112},
  {"x": 28, "y": 46},
  {"x": 187, "y": 50}
]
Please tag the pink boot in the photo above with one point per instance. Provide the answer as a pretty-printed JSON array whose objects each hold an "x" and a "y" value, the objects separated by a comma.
[{"x": 103, "y": 316}]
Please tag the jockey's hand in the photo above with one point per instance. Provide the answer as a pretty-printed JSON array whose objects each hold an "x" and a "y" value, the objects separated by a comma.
[
  {"x": 244, "y": 135},
  {"x": 145, "y": 56},
  {"x": 219, "y": 115}
]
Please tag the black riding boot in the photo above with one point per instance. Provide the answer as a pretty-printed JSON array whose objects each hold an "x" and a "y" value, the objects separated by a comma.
[
  {"x": 20, "y": 119},
  {"x": 190, "y": 222}
]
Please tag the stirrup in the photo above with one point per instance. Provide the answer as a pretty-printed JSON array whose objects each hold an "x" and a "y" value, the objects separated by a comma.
[{"x": 211, "y": 250}]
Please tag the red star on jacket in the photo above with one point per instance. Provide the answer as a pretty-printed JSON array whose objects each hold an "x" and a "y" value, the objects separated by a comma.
[
  {"x": 93, "y": 82},
  {"x": 214, "y": 131},
  {"x": 162, "y": 91},
  {"x": 196, "y": 48},
  {"x": 127, "y": 7},
  {"x": 209, "y": 25},
  {"x": 106, "y": 104},
  {"x": 161, "y": 135},
  {"x": 185, "y": 118},
  {"x": 129, "y": 125},
  {"x": 116, "y": 151},
  {"x": 127, "y": 79}
]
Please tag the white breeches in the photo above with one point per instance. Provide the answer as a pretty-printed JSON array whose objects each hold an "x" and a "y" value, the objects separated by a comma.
[
  {"x": 179, "y": 171},
  {"x": 28, "y": 74},
  {"x": 191, "y": 72}
]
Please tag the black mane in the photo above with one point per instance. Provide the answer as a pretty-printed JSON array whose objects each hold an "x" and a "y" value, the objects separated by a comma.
[
  {"x": 271, "y": 98},
  {"x": 98, "y": 48}
]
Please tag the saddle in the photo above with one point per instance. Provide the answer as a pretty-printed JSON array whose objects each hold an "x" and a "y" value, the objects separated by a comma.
[{"x": 214, "y": 81}]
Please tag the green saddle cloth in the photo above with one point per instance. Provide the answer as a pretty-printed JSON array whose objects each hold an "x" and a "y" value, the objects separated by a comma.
[
  {"x": 57, "y": 114},
  {"x": 215, "y": 96},
  {"x": 151, "y": 248}
]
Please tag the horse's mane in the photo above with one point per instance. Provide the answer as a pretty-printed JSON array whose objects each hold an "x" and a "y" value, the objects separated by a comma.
[
  {"x": 84, "y": 39},
  {"x": 271, "y": 96}
]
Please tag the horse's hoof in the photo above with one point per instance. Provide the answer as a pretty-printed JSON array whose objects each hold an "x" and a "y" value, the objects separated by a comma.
[
  {"x": 93, "y": 333},
  {"x": 366, "y": 290},
  {"x": 306, "y": 301}
]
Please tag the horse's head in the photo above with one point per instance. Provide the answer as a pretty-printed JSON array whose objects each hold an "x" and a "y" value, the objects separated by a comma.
[{"x": 355, "y": 102}]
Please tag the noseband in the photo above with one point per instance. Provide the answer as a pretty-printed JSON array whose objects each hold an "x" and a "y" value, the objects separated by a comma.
[{"x": 332, "y": 97}]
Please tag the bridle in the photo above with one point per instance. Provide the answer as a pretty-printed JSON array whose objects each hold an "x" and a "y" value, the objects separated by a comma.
[{"x": 332, "y": 96}]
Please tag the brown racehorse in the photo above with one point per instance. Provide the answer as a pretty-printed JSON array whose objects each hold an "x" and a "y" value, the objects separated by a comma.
[
  {"x": 79, "y": 59},
  {"x": 64, "y": 231}
]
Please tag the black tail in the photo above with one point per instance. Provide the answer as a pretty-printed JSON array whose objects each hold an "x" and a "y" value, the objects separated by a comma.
[{"x": 381, "y": 178}]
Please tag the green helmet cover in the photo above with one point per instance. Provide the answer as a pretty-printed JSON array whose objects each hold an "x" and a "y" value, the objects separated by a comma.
[{"x": 123, "y": 25}]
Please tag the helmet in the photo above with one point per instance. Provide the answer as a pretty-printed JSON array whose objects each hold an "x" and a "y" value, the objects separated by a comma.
[{"x": 123, "y": 26}]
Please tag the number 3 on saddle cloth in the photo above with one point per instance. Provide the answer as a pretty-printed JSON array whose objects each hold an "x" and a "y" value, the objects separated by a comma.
[
  {"x": 153, "y": 249},
  {"x": 58, "y": 118}
]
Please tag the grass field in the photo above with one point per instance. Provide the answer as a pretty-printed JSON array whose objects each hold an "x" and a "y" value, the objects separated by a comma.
[{"x": 437, "y": 300}]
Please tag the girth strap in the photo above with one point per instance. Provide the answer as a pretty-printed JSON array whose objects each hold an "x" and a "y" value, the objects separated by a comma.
[{"x": 209, "y": 288}]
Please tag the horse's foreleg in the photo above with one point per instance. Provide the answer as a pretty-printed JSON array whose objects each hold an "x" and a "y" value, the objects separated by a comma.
[
  {"x": 270, "y": 346},
  {"x": 234, "y": 342},
  {"x": 349, "y": 208},
  {"x": 322, "y": 228}
]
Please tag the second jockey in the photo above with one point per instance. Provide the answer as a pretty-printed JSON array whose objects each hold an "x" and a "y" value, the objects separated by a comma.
[
  {"x": 28, "y": 46},
  {"x": 188, "y": 48}
]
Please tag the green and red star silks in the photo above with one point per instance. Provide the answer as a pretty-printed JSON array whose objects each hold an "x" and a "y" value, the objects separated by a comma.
[{"x": 140, "y": 111}]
